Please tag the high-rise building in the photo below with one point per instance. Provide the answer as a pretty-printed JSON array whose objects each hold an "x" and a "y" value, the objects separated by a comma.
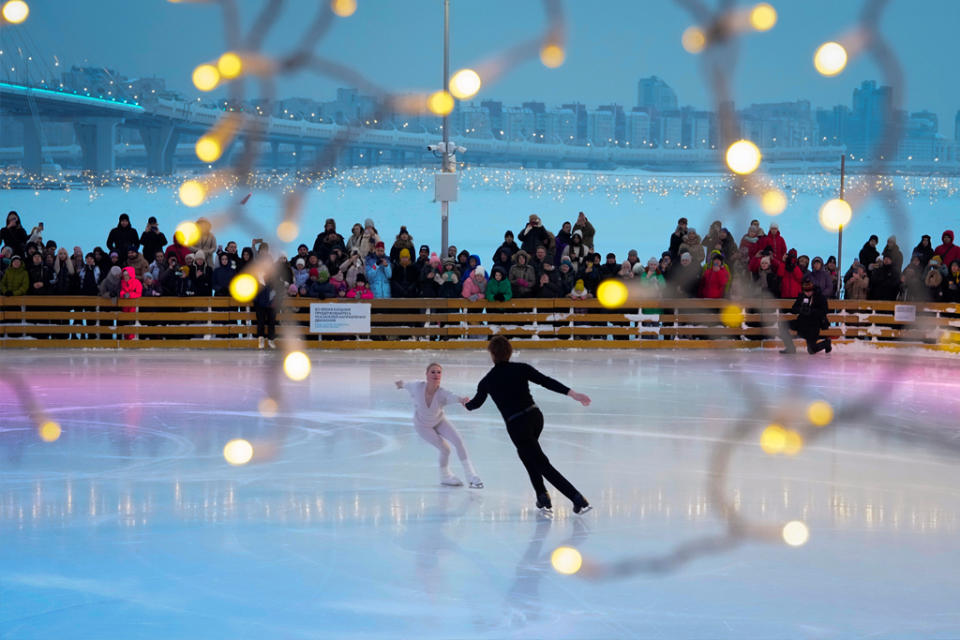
[
  {"x": 600, "y": 128},
  {"x": 637, "y": 132},
  {"x": 656, "y": 94},
  {"x": 580, "y": 113},
  {"x": 619, "y": 123},
  {"x": 872, "y": 113}
]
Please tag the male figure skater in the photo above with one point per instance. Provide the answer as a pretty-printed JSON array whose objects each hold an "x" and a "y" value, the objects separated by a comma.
[
  {"x": 509, "y": 385},
  {"x": 811, "y": 309}
]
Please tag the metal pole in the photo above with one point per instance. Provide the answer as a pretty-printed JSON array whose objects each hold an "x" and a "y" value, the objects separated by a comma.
[
  {"x": 445, "y": 158},
  {"x": 843, "y": 175}
]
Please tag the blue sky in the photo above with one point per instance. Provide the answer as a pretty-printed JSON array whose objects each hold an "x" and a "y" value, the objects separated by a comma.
[{"x": 611, "y": 44}]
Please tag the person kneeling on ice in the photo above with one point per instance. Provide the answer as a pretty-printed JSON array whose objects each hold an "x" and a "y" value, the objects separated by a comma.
[
  {"x": 432, "y": 425},
  {"x": 509, "y": 385},
  {"x": 811, "y": 309}
]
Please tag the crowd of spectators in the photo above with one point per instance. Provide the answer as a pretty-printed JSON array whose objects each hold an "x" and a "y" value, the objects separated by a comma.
[{"x": 535, "y": 263}]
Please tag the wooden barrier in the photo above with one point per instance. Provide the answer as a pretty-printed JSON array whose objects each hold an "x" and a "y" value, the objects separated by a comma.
[{"x": 411, "y": 323}]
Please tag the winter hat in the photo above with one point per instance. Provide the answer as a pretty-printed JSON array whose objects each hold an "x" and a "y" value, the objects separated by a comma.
[
  {"x": 638, "y": 269},
  {"x": 434, "y": 260},
  {"x": 21, "y": 259},
  {"x": 567, "y": 262},
  {"x": 686, "y": 256},
  {"x": 792, "y": 253},
  {"x": 152, "y": 220},
  {"x": 425, "y": 246},
  {"x": 123, "y": 217},
  {"x": 632, "y": 253},
  {"x": 404, "y": 253},
  {"x": 578, "y": 232},
  {"x": 936, "y": 259},
  {"x": 368, "y": 222},
  {"x": 578, "y": 285},
  {"x": 314, "y": 272},
  {"x": 403, "y": 229},
  {"x": 480, "y": 271},
  {"x": 301, "y": 262},
  {"x": 449, "y": 261},
  {"x": 115, "y": 271},
  {"x": 114, "y": 254},
  {"x": 653, "y": 262},
  {"x": 817, "y": 259},
  {"x": 534, "y": 217},
  {"x": 292, "y": 290},
  {"x": 380, "y": 245},
  {"x": 147, "y": 276}
]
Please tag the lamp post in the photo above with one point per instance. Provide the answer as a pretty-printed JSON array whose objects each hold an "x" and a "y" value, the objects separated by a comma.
[
  {"x": 843, "y": 175},
  {"x": 445, "y": 157}
]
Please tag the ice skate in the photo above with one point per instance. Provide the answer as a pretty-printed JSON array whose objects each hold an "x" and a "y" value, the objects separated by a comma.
[
  {"x": 272, "y": 344},
  {"x": 581, "y": 506},
  {"x": 260, "y": 343},
  {"x": 544, "y": 505},
  {"x": 449, "y": 480},
  {"x": 476, "y": 482}
]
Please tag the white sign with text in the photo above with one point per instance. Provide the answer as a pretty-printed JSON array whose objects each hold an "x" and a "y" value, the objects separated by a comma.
[{"x": 340, "y": 318}]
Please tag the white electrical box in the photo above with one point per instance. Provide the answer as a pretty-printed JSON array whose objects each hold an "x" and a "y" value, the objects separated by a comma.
[{"x": 445, "y": 187}]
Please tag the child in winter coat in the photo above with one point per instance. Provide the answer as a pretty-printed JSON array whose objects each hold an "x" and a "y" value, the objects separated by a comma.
[
  {"x": 498, "y": 287},
  {"x": 475, "y": 286},
  {"x": 360, "y": 291},
  {"x": 579, "y": 291},
  {"x": 449, "y": 279}
]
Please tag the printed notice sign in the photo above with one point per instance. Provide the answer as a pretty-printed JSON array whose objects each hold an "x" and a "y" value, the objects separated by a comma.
[
  {"x": 905, "y": 313},
  {"x": 340, "y": 318}
]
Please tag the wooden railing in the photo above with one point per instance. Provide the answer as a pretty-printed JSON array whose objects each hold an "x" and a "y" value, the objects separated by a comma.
[{"x": 409, "y": 323}]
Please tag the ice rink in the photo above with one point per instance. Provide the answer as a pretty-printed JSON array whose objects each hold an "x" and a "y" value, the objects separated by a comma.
[{"x": 132, "y": 524}]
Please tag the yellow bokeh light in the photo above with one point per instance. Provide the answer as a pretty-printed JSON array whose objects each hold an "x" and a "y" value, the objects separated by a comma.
[
  {"x": 566, "y": 560},
  {"x": 187, "y": 233},
  {"x": 792, "y": 442},
  {"x": 192, "y": 193},
  {"x": 773, "y": 202},
  {"x": 16, "y": 11},
  {"x": 287, "y": 231},
  {"x": 267, "y": 407},
  {"x": 773, "y": 439},
  {"x": 343, "y": 8},
  {"x": 795, "y": 533},
  {"x": 552, "y": 56},
  {"x": 820, "y": 413},
  {"x": 296, "y": 365},
  {"x": 743, "y": 157},
  {"x": 244, "y": 287},
  {"x": 440, "y": 103},
  {"x": 50, "y": 431},
  {"x": 694, "y": 40},
  {"x": 830, "y": 58},
  {"x": 612, "y": 293},
  {"x": 230, "y": 65},
  {"x": 238, "y": 452},
  {"x": 763, "y": 17},
  {"x": 835, "y": 213},
  {"x": 465, "y": 84},
  {"x": 206, "y": 77},
  {"x": 732, "y": 316},
  {"x": 208, "y": 149}
]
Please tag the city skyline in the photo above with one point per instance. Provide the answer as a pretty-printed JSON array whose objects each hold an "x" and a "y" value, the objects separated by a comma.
[{"x": 399, "y": 47}]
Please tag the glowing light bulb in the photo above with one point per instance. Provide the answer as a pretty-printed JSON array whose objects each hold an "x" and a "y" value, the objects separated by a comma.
[
  {"x": 296, "y": 365},
  {"x": 835, "y": 213},
  {"x": 244, "y": 287},
  {"x": 187, "y": 233},
  {"x": 206, "y": 77},
  {"x": 743, "y": 157},
  {"x": 465, "y": 84},
  {"x": 795, "y": 533},
  {"x": 267, "y": 407},
  {"x": 230, "y": 65},
  {"x": 192, "y": 193},
  {"x": 287, "y": 231},
  {"x": 566, "y": 560},
  {"x": 16, "y": 11},
  {"x": 820, "y": 413},
  {"x": 732, "y": 316},
  {"x": 50, "y": 431},
  {"x": 773, "y": 202},
  {"x": 773, "y": 439},
  {"x": 552, "y": 56},
  {"x": 208, "y": 149},
  {"x": 694, "y": 40},
  {"x": 343, "y": 8},
  {"x": 830, "y": 58},
  {"x": 612, "y": 293},
  {"x": 763, "y": 17},
  {"x": 238, "y": 452},
  {"x": 440, "y": 103}
]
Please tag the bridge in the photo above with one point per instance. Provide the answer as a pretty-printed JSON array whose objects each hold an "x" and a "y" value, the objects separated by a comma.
[{"x": 164, "y": 123}]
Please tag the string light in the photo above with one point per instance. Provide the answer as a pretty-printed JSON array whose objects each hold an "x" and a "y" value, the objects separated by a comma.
[
  {"x": 15, "y": 11},
  {"x": 230, "y": 65},
  {"x": 192, "y": 193},
  {"x": 244, "y": 287},
  {"x": 612, "y": 293},
  {"x": 566, "y": 560},
  {"x": 50, "y": 431},
  {"x": 795, "y": 533},
  {"x": 743, "y": 157},
  {"x": 773, "y": 202},
  {"x": 238, "y": 452},
  {"x": 208, "y": 149},
  {"x": 820, "y": 413},
  {"x": 792, "y": 442},
  {"x": 773, "y": 439},
  {"x": 763, "y": 17},
  {"x": 732, "y": 316},
  {"x": 465, "y": 84},
  {"x": 343, "y": 8},
  {"x": 440, "y": 103},
  {"x": 287, "y": 231},
  {"x": 835, "y": 213},
  {"x": 552, "y": 56},
  {"x": 296, "y": 365},
  {"x": 694, "y": 40},
  {"x": 187, "y": 233},
  {"x": 268, "y": 407},
  {"x": 830, "y": 58},
  {"x": 206, "y": 77}
]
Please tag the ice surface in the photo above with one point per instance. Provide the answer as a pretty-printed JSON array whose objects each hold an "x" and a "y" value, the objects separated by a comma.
[{"x": 132, "y": 525}]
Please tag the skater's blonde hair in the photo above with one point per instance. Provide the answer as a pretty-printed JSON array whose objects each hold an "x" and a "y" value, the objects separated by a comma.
[{"x": 433, "y": 364}]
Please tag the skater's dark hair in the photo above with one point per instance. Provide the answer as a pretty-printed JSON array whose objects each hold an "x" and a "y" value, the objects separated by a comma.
[
  {"x": 432, "y": 365},
  {"x": 500, "y": 349}
]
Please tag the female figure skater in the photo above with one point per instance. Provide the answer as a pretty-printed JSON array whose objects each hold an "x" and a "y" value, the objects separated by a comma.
[
  {"x": 509, "y": 384},
  {"x": 432, "y": 425}
]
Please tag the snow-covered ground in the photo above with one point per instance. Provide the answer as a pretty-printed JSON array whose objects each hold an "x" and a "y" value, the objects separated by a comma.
[
  {"x": 132, "y": 525},
  {"x": 631, "y": 210}
]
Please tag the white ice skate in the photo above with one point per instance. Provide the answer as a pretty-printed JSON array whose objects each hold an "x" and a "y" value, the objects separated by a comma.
[
  {"x": 260, "y": 343},
  {"x": 450, "y": 480},
  {"x": 476, "y": 482}
]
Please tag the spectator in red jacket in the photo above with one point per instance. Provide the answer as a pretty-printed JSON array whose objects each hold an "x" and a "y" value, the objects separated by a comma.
[
  {"x": 792, "y": 276},
  {"x": 948, "y": 251},
  {"x": 774, "y": 241},
  {"x": 713, "y": 283}
]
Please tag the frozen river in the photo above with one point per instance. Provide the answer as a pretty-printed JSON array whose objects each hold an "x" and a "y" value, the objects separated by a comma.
[{"x": 132, "y": 525}]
